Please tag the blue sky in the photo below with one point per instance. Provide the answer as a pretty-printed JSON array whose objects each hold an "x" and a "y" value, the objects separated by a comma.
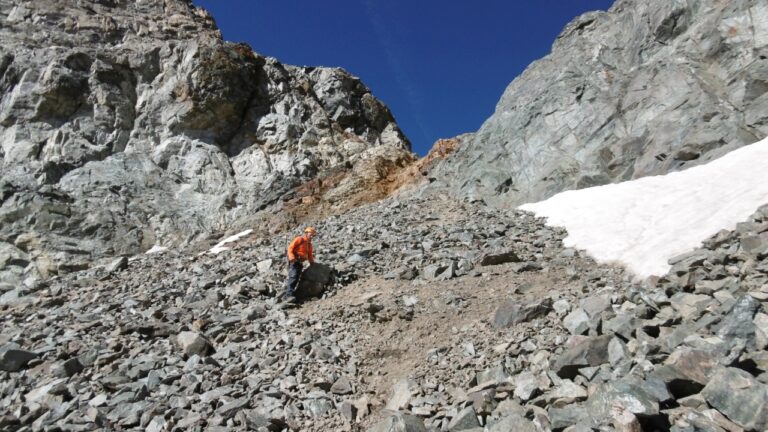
[{"x": 440, "y": 66}]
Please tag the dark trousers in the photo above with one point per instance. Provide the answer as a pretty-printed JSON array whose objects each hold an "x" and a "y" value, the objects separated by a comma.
[{"x": 294, "y": 274}]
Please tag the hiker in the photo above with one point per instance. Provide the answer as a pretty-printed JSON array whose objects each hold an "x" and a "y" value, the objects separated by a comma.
[{"x": 299, "y": 250}]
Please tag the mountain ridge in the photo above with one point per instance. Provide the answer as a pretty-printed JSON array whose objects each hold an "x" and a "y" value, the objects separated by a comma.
[
  {"x": 644, "y": 88},
  {"x": 125, "y": 125}
]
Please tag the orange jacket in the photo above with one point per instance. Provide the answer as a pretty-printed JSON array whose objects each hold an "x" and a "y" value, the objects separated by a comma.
[{"x": 301, "y": 248}]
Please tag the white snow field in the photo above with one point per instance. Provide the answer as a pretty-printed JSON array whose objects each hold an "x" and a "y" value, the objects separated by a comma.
[{"x": 642, "y": 223}]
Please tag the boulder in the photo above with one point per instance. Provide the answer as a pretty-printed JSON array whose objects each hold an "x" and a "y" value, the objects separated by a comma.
[
  {"x": 592, "y": 351},
  {"x": 526, "y": 386},
  {"x": 192, "y": 343},
  {"x": 511, "y": 312},
  {"x": 465, "y": 420},
  {"x": 738, "y": 323},
  {"x": 577, "y": 322},
  {"x": 13, "y": 358},
  {"x": 593, "y": 306},
  {"x": 739, "y": 396},
  {"x": 625, "y": 395},
  {"x": 401, "y": 395},
  {"x": 497, "y": 374},
  {"x": 499, "y": 258},
  {"x": 314, "y": 281},
  {"x": 117, "y": 265},
  {"x": 342, "y": 386}
]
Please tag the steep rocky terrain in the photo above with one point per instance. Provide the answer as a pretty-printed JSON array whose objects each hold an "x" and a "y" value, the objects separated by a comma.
[
  {"x": 457, "y": 318},
  {"x": 127, "y": 124},
  {"x": 131, "y": 124},
  {"x": 645, "y": 88}
]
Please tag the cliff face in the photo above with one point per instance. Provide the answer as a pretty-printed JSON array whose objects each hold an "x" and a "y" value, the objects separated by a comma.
[
  {"x": 124, "y": 124},
  {"x": 645, "y": 88}
]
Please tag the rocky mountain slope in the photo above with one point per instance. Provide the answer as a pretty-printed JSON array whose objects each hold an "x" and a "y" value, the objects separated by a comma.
[
  {"x": 121, "y": 130},
  {"x": 128, "y": 124},
  {"x": 645, "y": 88},
  {"x": 458, "y": 318}
]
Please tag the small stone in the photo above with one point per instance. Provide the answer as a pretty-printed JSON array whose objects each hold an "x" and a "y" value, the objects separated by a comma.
[
  {"x": 617, "y": 352},
  {"x": 402, "y": 392},
  {"x": 117, "y": 265},
  {"x": 593, "y": 306},
  {"x": 561, "y": 307},
  {"x": 192, "y": 343},
  {"x": 526, "y": 386},
  {"x": 513, "y": 422},
  {"x": 466, "y": 419},
  {"x": 761, "y": 330},
  {"x": 342, "y": 386},
  {"x": 348, "y": 410},
  {"x": 400, "y": 423},
  {"x": 318, "y": 407},
  {"x": 576, "y": 322},
  {"x": 512, "y": 313},
  {"x": 99, "y": 400},
  {"x": 264, "y": 266},
  {"x": 495, "y": 374},
  {"x": 70, "y": 367},
  {"x": 690, "y": 306}
]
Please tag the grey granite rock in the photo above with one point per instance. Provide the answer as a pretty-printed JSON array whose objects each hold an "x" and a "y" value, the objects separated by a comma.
[
  {"x": 126, "y": 125},
  {"x": 592, "y": 351},
  {"x": 13, "y": 358},
  {"x": 646, "y": 88},
  {"x": 512, "y": 312},
  {"x": 192, "y": 343},
  {"x": 314, "y": 280},
  {"x": 400, "y": 423},
  {"x": 739, "y": 396},
  {"x": 465, "y": 420}
]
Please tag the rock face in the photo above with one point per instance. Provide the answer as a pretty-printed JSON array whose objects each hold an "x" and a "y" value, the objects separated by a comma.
[
  {"x": 129, "y": 124},
  {"x": 645, "y": 88}
]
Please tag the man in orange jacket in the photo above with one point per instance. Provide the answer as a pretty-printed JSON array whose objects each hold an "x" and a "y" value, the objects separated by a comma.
[{"x": 299, "y": 250}]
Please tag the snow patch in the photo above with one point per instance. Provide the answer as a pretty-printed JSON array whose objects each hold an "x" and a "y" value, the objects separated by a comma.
[
  {"x": 644, "y": 222},
  {"x": 220, "y": 247},
  {"x": 156, "y": 249}
]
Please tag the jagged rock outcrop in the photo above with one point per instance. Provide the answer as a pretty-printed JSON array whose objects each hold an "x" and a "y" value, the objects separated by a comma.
[
  {"x": 125, "y": 124},
  {"x": 645, "y": 88}
]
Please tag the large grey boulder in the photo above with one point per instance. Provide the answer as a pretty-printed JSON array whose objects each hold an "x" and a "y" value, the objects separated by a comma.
[
  {"x": 512, "y": 312},
  {"x": 192, "y": 343},
  {"x": 314, "y": 280},
  {"x": 739, "y": 396},
  {"x": 738, "y": 323},
  {"x": 465, "y": 420},
  {"x": 646, "y": 88},
  {"x": 592, "y": 351},
  {"x": 13, "y": 358}
]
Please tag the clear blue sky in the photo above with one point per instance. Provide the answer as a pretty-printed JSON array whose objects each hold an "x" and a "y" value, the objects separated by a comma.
[{"x": 440, "y": 65}]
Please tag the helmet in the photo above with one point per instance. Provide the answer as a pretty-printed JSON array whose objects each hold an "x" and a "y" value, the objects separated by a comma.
[{"x": 310, "y": 230}]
